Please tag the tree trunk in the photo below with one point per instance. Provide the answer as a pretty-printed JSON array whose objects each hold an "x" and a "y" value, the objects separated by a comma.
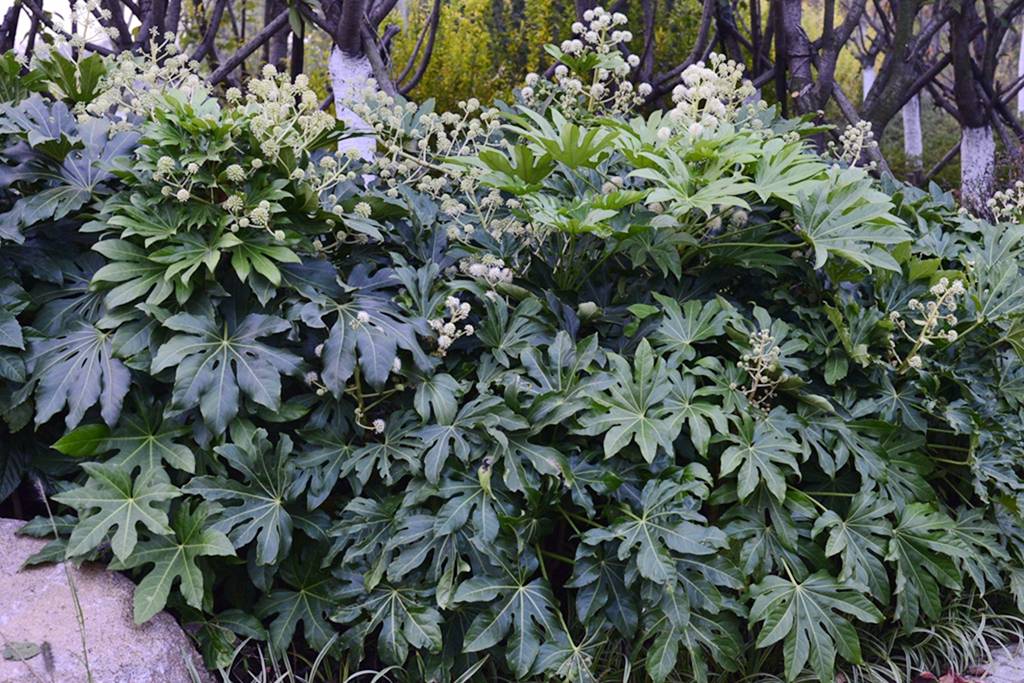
[
  {"x": 977, "y": 169},
  {"x": 1020, "y": 73},
  {"x": 913, "y": 147},
  {"x": 867, "y": 79},
  {"x": 350, "y": 75},
  {"x": 798, "y": 55}
]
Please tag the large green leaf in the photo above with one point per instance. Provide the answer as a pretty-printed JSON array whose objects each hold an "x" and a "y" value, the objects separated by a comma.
[
  {"x": 812, "y": 618},
  {"x": 850, "y": 219},
  {"x": 760, "y": 453},
  {"x": 860, "y": 538},
  {"x": 925, "y": 553},
  {"x": 521, "y": 610},
  {"x": 693, "y": 322},
  {"x": 174, "y": 559},
  {"x": 308, "y": 597},
  {"x": 111, "y": 498},
  {"x": 144, "y": 439},
  {"x": 633, "y": 409},
  {"x": 257, "y": 507},
  {"x": 216, "y": 363},
  {"x": 665, "y": 529},
  {"x": 77, "y": 369},
  {"x": 405, "y": 615}
]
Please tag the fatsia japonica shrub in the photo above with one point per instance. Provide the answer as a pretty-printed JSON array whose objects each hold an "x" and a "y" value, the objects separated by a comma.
[{"x": 539, "y": 390}]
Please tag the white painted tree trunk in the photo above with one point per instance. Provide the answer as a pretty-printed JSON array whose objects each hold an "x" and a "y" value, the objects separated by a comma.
[
  {"x": 1020, "y": 72},
  {"x": 867, "y": 76},
  {"x": 913, "y": 147},
  {"x": 349, "y": 78},
  {"x": 977, "y": 168}
]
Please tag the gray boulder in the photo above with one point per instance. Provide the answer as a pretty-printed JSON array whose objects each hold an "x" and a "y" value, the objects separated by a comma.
[{"x": 40, "y": 640}]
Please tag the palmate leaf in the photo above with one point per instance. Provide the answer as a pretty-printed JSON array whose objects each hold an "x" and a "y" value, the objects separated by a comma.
[
  {"x": 111, "y": 498},
  {"x": 925, "y": 552},
  {"x": 131, "y": 274},
  {"x": 145, "y": 440},
  {"x": 760, "y": 453},
  {"x": 665, "y": 529},
  {"x": 174, "y": 561},
  {"x": 327, "y": 450},
  {"x": 601, "y": 592},
  {"x": 441, "y": 441},
  {"x": 688, "y": 402},
  {"x": 397, "y": 453},
  {"x": 560, "y": 380},
  {"x": 309, "y": 596},
  {"x": 994, "y": 288},
  {"x": 812, "y": 617},
  {"x": 566, "y": 660},
  {"x": 77, "y": 369},
  {"x": 860, "y": 538},
  {"x": 521, "y": 611},
  {"x": 68, "y": 185},
  {"x": 364, "y": 532},
  {"x": 850, "y": 219},
  {"x": 771, "y": 534},
  {"x": 406, "y": 617},
  {"x": 786, "y": 170},
  {"x": 374, "y": 344},
  {"x": 693, "y": 322},
  {"x": 256, "y": 508},
  {"x": 633, "y": 408},
  {"x": 215, "y": 363},
  {"x": 984, "y": 552},
  {"x": 675, "y": 623}
]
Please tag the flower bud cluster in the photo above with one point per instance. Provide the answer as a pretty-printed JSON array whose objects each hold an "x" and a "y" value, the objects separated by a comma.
[
  {"x": 761, "y": 364},
  {"x": 935, "y": 320},
  {"x": 709, "y": 94},
  {"x": 488, "y": 269},
  {"x": 1008, "y": 205},
  {"x": 608, "y": 88},
  {"x": 447, "y": 326},
  {"x": 854, "y": 141}
]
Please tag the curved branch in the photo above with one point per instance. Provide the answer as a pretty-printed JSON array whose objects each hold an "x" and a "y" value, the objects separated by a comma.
[
  {"x": 428, "y": 53},
  {"x": 45, "y": 21},
  {"x": 206, "y": 46},
  {"x": 664, "y": 82},
  {"x": 372, "y": 52},
  {"x": 232, "y": 62}
]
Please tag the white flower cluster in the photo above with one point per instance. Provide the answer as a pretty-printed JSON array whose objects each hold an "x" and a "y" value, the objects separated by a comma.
[
  {"x": 135, "y": 80},
  {"x": 761, "y": 364},
  {"x": 1008, "y": 204},
  {"x": 608, "y": 88},
  {"x": 930, "y": 317},
  {"x": 285, "y": 116},
  {"x": 447, "y": 326},
  {"x": 409, "y": 142},
  {"x": 710, "y": 94},
  {"x": 489, "y": 269},
  {"x": 84, "y": 15},
  {"x": 854, "y": 141}
]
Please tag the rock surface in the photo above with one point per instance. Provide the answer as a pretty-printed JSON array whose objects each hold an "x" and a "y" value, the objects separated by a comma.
[
  {"x": 1007, "y": 665},
  {"x": 36, "y": 608}
]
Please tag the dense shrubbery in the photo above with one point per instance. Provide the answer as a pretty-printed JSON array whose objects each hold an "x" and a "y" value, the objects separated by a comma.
[{"x": 538, "y": 389}]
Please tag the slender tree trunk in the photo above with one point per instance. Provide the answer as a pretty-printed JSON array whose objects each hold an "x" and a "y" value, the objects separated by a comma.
[
  {"x": 977, "y": 168},
  {"x": 867, "y": 79},
  {"x": 798, "y": 55},
  {"x": 913, "y": 147},
  {"x": 1020, "y": 73},
  {"x": 977, "y": 145},
  {"x": 350, "y": 74}
]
